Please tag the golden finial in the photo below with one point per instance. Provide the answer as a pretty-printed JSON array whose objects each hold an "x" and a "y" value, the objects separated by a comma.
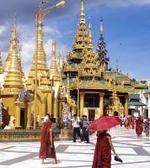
[
  {"x": 101, "y": 27},
  {"x": 14, "y": 31},
  {"x": 82, "y": 13},
  {"x": 89, "y": 30}
]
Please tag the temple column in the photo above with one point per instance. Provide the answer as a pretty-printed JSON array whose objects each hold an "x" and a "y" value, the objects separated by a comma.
[
  {"x": 17, "y": 115},
  {"x": 56, "y": 108},
  {"x": 81, "y": 103},
  {"x": 29, "y": 115},
  {"x": 126, "y": 105},
  {"x": 60, "y": 109},
  {"x": 101, "y": 104}
]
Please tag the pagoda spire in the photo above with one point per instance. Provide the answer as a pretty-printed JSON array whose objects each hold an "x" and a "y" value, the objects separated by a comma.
[
  {"x": 82, "y": 12},
  {"x": 13, "y": 45},
  {"x": 101, "y": 27},
  {"x": 39, "y": 67},
  {"x": 101, "y": 50},
  {"x": 1, "y": 64},
  {"x": 20, "y": 62},
  {"x": 60, "y": 61},
  {"x": 13, "y": 79},
  {"x": 82, "y": 39},
  {"x": 90, "y": 35},
  {"x": 54, "y": 72}
]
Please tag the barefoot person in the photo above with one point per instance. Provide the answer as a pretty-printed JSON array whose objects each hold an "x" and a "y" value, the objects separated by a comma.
[
  {"x": 47, "y": 148},
  {"x": 139, "y": 126},
  {"x": 102, "y": 155}
]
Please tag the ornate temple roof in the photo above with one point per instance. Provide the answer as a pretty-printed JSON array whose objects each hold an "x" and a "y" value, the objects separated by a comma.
[
  {"x": 13, "y": 79},
  {"x": 82, "y": 38},
  {"x": 89, "y": 70},
  {"x": 134, "y": 100}
]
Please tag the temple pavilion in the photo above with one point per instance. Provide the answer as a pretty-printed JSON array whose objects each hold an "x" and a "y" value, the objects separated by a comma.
[{"x": 94, "y": 88}]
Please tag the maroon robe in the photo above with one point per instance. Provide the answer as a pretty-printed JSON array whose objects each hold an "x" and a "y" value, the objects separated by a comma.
[
  {"x": 139, "y": 126},
  {"x": 46, "y": 151},
  {"x": 102, "y": 155}
]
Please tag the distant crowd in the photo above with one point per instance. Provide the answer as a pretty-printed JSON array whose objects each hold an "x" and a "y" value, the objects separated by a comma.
[{"x": 138, "y": 123}]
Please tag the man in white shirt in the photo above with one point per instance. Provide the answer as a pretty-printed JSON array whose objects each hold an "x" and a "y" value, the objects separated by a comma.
[{"x": 76, "y": 127}]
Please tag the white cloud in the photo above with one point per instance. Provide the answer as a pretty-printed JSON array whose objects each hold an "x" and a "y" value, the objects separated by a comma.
[
  {"x": 2, "y": 29},
  {"x": 27, "y": 54},
  {"x": 52, "y": 30}
]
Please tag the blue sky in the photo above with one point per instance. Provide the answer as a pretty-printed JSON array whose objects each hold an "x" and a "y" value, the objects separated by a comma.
[{"x": 126, "y": 26}]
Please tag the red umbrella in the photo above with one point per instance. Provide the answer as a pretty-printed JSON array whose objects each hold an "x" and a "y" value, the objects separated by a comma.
[{"x": 104, "y": 123}]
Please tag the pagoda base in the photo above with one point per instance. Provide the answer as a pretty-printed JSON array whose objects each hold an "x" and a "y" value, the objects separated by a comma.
[{"x": 65, "y": 134}]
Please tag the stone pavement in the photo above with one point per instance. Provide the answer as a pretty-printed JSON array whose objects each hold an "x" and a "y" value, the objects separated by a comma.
[{"x": 134, "y": 151}]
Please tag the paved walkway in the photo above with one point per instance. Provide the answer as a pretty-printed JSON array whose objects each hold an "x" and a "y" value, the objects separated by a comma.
[{"x": 134, "y": 151}]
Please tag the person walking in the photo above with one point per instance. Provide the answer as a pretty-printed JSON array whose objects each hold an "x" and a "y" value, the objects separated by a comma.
[
  {"x": 102, "y": 154},
  {"x": 85, "y": 131},
  {"x": 76, "y": 127},
  {"x": 139, "y": 126},
  {"x": 146, "y": 127},
  {"x": 47, "y": 148}
]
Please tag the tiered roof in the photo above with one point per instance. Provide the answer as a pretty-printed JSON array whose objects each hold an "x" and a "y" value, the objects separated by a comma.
[{"x": 82, "y": 39}]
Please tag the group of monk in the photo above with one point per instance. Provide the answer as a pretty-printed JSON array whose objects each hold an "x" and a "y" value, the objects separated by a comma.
[
  {"x": 103, "y": 148},
  {"x": 102, "y": 154},
  {"x": 138, "y": 123},
  {"x": 128, "y": 122},
  {"x": 142, "y": 126}
]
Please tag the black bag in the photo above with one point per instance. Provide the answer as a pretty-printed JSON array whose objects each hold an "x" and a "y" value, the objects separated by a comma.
[{"x": 116, "y": 158}]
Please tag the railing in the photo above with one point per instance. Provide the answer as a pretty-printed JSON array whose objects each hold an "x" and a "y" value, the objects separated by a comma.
[{"x": 20, "y": 135}]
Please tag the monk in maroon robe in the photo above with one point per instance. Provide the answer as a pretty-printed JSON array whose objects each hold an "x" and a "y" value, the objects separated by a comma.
[
  {"x": 102, "y": 155},
  {"x": 47, "y": 148},
  {"x": 139, "y": 126}
]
